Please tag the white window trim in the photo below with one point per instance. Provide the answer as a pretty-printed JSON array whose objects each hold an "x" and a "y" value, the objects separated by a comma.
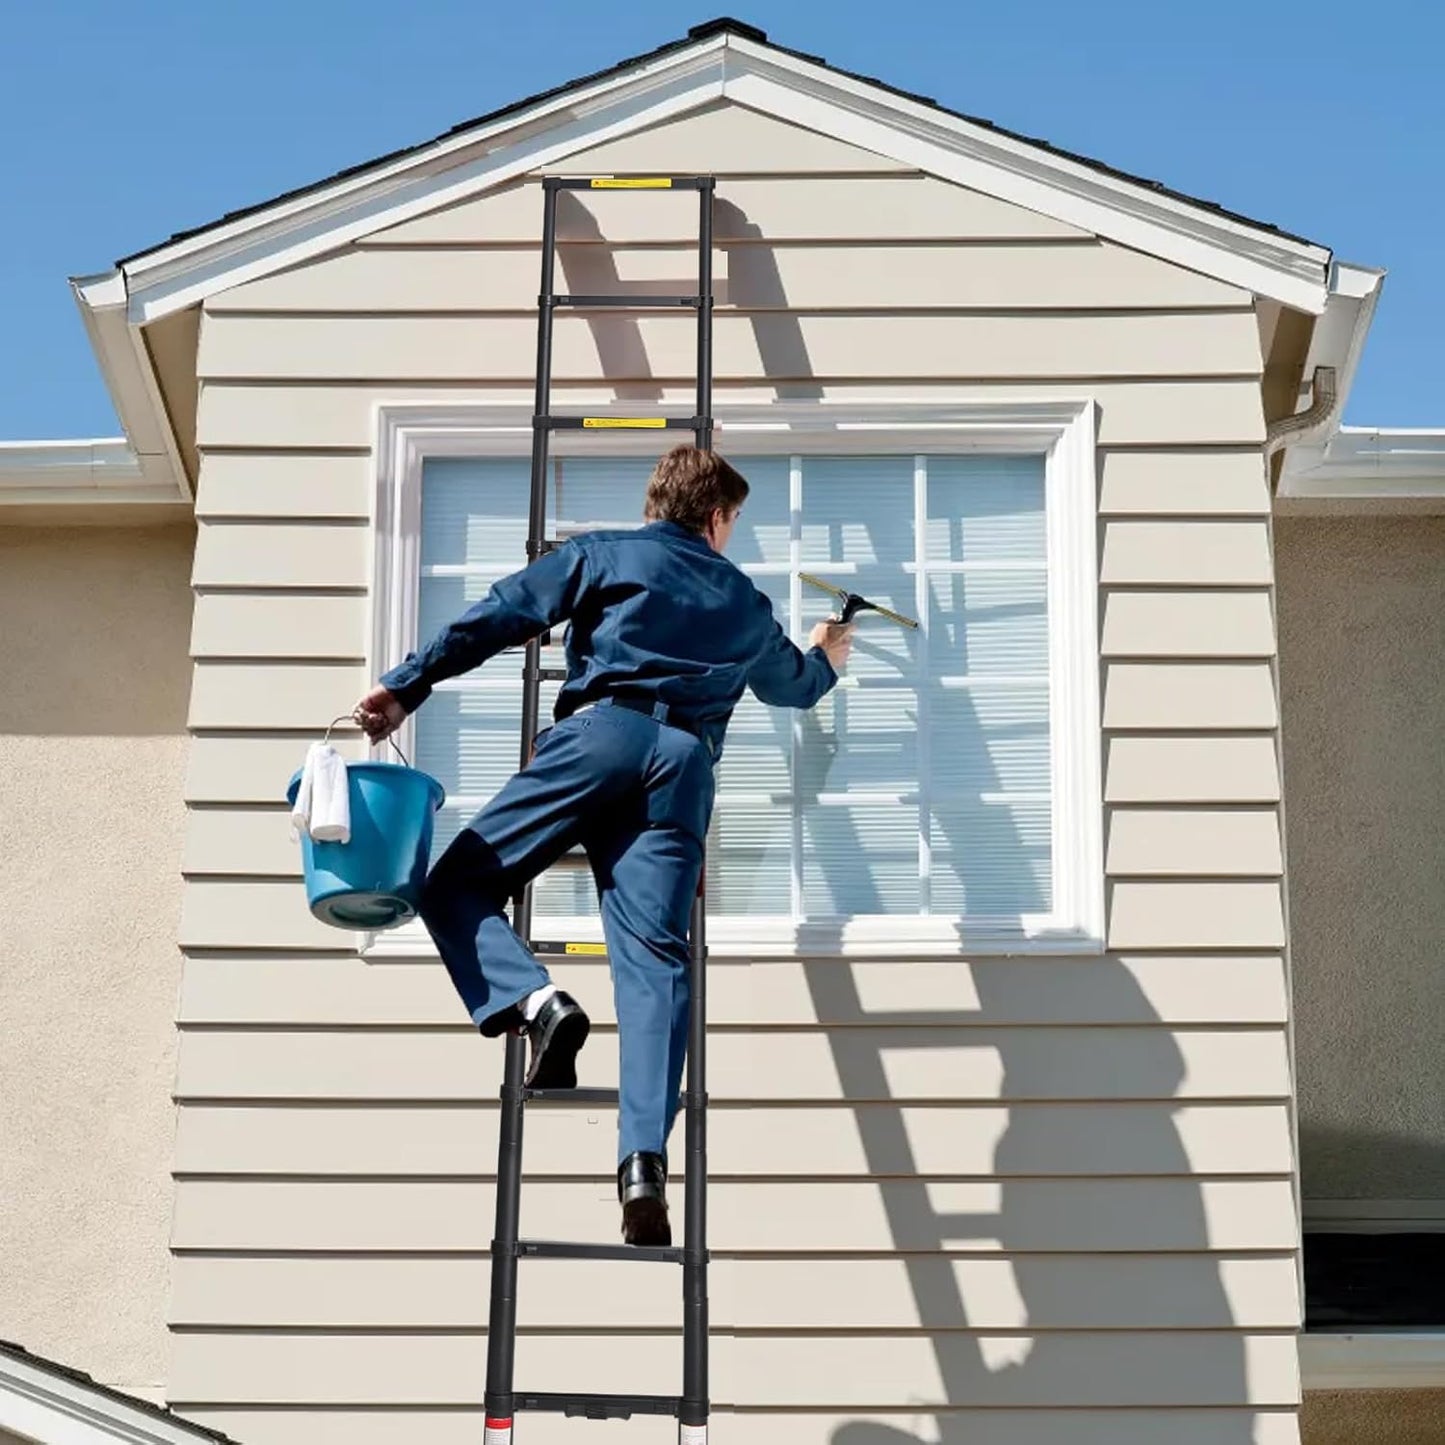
[
  {"x": 1062, "y": 430},
  {"x": 1373, "y": 1360}
]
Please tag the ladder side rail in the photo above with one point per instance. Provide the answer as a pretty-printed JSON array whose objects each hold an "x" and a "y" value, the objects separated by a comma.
[
  {"x": 693, "y": 1411},
  {"x": 502, "y": 1316}
]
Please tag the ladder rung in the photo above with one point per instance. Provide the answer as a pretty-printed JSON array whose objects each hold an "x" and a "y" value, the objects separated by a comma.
[
  {"x": 630, "y": 183},
  {"x": 556, "y": 948},
  {"x": 620, "y": 423},
  {"x": 565, "y": 1249},
  {"x": 638, "y": 300},
  {"x": 552, "y": 674},
  {"x": 598, "y": 1407},
  {"x": 572, "y": 1096}
]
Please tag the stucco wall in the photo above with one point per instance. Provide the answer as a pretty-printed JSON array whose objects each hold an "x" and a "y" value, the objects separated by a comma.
[
  {"x": 93, "y": 648},
  {"x": 1379, "y": 1417},
  {"x": 1362, "y": 661}
]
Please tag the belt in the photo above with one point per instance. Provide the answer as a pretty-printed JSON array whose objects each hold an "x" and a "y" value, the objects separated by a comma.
[{"x": 648, "y": 708}]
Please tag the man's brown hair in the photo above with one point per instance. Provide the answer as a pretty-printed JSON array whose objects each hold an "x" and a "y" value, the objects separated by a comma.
[{"x": 688, "y": 485}]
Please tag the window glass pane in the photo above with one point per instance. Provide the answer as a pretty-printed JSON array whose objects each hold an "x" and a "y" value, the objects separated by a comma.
[
  {"x": 857, "y": 509},
  {"x": 985, "y": 509},
  {"x": 757, "y": 751},
  {"x": 474, "y": 512},
  {"x": 859, "y": 860},
  {"x": 991, "y": 738},
  {"x": 859, "y": 740},
  {"x": 598, "y": 493},
  {"x": 749, "y": 868},
  {"x": 764, "y": 530},
  {"x": 990, "y": 858},
  {"x": 988, "y": 622}
]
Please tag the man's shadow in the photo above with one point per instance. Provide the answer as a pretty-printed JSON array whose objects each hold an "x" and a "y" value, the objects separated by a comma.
[
  {"x": 1060, "y": 1190},
  {"x": 1117, "y": 1187}
]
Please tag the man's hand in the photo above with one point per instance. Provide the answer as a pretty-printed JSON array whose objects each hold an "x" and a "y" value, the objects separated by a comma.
[
  {"x": 379, "y": 714},
  {"x": 836, "y": 640}
]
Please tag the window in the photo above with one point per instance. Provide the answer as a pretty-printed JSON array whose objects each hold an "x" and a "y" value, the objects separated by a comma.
[{"x": 939, "y": 795}]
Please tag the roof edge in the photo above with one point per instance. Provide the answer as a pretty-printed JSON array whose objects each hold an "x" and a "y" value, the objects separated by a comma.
[
  {"x": 721, "y": 58},
  {"x": 41, "y": 1399}
]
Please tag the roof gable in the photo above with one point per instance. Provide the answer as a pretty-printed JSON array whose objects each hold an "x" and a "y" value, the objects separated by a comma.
[{"x": 722, "y": 61}]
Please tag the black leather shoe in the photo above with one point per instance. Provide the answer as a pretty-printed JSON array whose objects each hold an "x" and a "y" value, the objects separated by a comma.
[
  {"x": 642, "y": 1190},
  {"x": 557, "y": 1033}
]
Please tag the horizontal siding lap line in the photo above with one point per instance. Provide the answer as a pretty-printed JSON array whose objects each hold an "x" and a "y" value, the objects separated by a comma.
[
  {"x": 1163, "y": 449},
  {"x": 956, "y": 1023},
  {"x": 729, "y": 243},
  {"x": 790, "y": 378},
  {"x": 444, "y": 385},
  {"x": 323, "y": 659},
  {"x": 725, "y": 244},
  {"x": 247, "y": 520},
  {"x": 737, "y": 1332},
  {"x": 423, "y": 959},
  {"x": 904, "y": 1253},
  {"x": 529, "y": 313},
  {"x": 491, "y": 1105}
]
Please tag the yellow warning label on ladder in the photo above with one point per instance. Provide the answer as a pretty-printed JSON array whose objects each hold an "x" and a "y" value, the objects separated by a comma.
[
  {"x": 591, "y": 422},
  {"x": 597, "y": 948},
  {"x": 632, "y": 183}
]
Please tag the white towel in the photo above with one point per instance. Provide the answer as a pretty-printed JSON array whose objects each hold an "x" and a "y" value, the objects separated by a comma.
[{"x": 323, "y": 802}]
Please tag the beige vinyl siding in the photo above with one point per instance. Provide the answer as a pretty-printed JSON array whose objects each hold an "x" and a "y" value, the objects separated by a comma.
[
  {"x": 793, "y": 346},
  {"x": 839, "y": 1218},
  {"x": 804, "y": 1066},
  {"x": 1047, "y": 1196},
  {"x": 1190, "y": 412},
  {"x": 1139, "y": 1292},
  {"x": 255, "y": 990},
  {"x": 747, "y": 277},
  {"x": 321, "y": 485},
  {"x": 821, "y": 1372},
  {"x": 978, "y": 1427}
]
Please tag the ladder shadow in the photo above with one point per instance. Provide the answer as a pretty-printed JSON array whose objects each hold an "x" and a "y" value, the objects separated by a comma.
[{"x": 753, "y": 283}]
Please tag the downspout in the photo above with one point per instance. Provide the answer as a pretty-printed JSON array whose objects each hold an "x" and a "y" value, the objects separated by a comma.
[{"x": 1303, "y": 425}]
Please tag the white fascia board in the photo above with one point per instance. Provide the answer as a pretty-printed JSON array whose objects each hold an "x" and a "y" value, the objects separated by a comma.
[
  {"x": 181, "y": 273},
  {"x": 38, "y": 1404},
  {"x": 80, "y": 473},
  {"x": 1379, "y": 1360},
  {"x": 134, "y": 388},
  {"x": 1285, "y": 270},
  {"x": 1361, "y": 466}
]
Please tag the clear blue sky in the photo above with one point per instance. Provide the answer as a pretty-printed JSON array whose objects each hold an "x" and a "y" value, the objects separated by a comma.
[{"x": 123, "y": 124}]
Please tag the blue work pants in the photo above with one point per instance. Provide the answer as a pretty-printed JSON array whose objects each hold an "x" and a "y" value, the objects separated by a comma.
[{"x": 637, "y": 794}]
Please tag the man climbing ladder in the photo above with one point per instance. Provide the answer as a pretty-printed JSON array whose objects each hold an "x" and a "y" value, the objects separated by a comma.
[{"x": 665, "y": 635}]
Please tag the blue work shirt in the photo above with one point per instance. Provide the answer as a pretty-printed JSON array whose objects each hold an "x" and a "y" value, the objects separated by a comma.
[{"x": 655, "y": 613}]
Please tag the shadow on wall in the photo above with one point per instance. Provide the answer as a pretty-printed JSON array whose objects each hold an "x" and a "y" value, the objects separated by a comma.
[
  {"x": 1120, "y": 1190},
  {"x": 1355, "y": 1161},
  {"x": 1042, "y": 1365},
  {"x": 1040, "y": 1358},
  {"x": 95, "y": 631},
  {"x": 753, "y": 284}
]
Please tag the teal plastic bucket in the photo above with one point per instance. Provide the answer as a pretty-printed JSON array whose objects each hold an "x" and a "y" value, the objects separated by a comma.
[{"x": 374, "y": 880}]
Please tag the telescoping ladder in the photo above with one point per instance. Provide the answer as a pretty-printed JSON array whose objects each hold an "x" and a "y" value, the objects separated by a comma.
[{"x": 503, "y": 1401}]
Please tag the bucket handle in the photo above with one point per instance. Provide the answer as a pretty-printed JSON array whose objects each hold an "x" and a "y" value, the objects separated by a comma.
[{"x": 391, "y": 737}]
